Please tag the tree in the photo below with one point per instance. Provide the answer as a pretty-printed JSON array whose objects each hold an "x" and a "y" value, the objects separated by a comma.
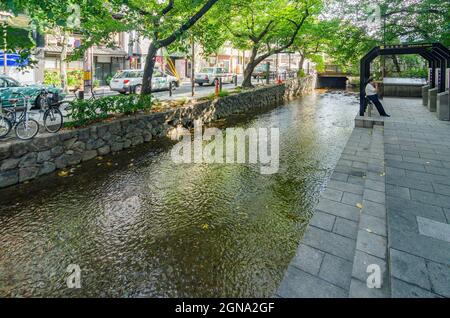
[
  {"x": 267, "y": 27},
  {"x": 394, "y": 21},
  {"x": 163, "y": 21}
]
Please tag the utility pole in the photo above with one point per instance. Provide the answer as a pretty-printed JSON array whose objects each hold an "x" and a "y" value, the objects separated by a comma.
[{"x": 192, "y": 66}]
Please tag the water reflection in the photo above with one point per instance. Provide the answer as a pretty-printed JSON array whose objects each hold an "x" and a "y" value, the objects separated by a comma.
[{"x": 159, "y": 229}]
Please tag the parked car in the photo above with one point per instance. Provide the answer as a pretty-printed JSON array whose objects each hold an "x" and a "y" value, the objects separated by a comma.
[
  {"x": 261, "y": 71},
  {"x": 209, "y": 75},
  {"x": 127, "y": 80},
  {"x": 8, "y": 86}
]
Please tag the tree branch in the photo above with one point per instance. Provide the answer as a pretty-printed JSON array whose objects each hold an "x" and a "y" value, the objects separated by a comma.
[{"x": 198, "y": 15}]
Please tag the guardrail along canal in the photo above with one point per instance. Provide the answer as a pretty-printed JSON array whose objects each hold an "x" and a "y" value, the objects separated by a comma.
[{"x": 137, "y": 224}]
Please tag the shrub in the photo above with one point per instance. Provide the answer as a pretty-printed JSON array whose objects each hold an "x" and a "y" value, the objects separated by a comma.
[
  {"x": 301, "y": 73},
  {"x": 86, "y": 111},
  {"x": 52, "y": 78},
  {"x": 74, "y": 78}
]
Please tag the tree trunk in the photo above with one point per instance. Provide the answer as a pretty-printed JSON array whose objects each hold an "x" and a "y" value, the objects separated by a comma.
[
  {"x": 397, "y": 66},
  {"x": 148, "y": 69},
  {"x": 62, "y": 61},
  {"x": 247, "y": 83},
  {"x": 301, "y": 62}
]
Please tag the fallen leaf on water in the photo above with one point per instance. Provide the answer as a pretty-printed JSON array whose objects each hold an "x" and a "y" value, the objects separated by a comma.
[
  {"x": 359, "y": 205},
  {"x": 205, "y": 226},
  {"x": 369, "y": 230},
  {"x": 63, "y": 173}
]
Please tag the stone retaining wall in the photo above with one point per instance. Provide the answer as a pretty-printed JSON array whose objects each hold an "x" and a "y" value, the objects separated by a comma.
[{"x": 21, "y": 161}]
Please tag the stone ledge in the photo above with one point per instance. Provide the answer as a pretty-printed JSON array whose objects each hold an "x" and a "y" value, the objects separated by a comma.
[{"x": 368, "y": 122}]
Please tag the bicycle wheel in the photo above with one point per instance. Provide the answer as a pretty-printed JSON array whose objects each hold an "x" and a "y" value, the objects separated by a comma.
[
  {"x": 65, "y": 107},
  {"x": 27, "y": 130},
  {"x": 53, "y": 120},
  {"x": 5, "y": 126}
]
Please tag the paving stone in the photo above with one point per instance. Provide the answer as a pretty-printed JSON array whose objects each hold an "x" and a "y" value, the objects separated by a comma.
[
  {"x": 431, "y": 228},
  {"x": 438, "y": 171},
  {"x": 375, "y": 176},
  {"x": 308, "y": 259},
  {"x": 416, "y": 208},
  {"x": 361, "y": 262},
  {"x": 430, "y": 198},
  {"x": 404, "y": 235},
  {"x": 329, "y": 242},
  {"x": 375, "y": 185},
  {"x": 339, "y": 176},
  {"x": 346, "y": 228},
  {"x": 360, "y": 165},
  {"x": 393, "y": 157},
  {"x": 409, "y": 268},
  {"x": 439, "y": 275},
  {"x": 336, "y": 270},
  {"x": 441, "y": 189},
  {"x": 351, "y": 198},
  {"x": 374, "y": 196},
  {"x": 374, "y": 209},
  {"x": 371, "y": 243},
  {"x": 356, "y": 180},
  {"x": 401, "y": 289},
  {"x": 395, "y": 172},
  {"x": 343, "y": 162},
  {"x": 372, "y": 223},
  {"x": 323, "y": 220},
  {"x": 344, "y": 186},
  {"x": 299, "y": 284},
  {"x": 423, "y": 161},
  {"x": 405, "y": 165},
  {"x": 359, "y": 289},
  {"x": 447, "y": 215},
  {"x": 338, "y": 209},
  {"x": 398, "y": 191},
  {"x": 428, "y": 177},
  {"x": 332, "y": 194}
]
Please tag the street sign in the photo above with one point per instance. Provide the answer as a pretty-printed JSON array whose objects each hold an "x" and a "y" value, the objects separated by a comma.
[{"x": 13, "y": 59}]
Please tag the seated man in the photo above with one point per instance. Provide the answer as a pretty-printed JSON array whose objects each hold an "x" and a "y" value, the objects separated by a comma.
[{"x": 372, "y": 95}]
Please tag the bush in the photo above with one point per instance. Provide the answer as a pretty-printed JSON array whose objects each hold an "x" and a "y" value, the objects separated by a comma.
[
  {"x": 301, "y": 73},
  {"x": 86, "y": 111},
  {"x": 52, "y": 78},
  {"x": 74, "y": 78}
]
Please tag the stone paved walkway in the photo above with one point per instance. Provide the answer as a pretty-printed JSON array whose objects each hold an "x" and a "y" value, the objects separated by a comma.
[{"x": 387, "y": 204}]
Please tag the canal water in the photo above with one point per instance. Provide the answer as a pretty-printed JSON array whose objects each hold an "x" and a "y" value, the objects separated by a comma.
[{"x": 139, "y": 225}]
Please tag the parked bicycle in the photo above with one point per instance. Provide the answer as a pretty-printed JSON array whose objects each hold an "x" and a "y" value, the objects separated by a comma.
[
  {"x": 53, "y": 117},
  {"x": 25, "y": 127},
  {"x": 66, "y": 105}
]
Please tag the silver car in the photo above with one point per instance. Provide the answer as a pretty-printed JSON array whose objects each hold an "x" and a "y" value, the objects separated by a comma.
[
  {"x": 209, "y": 76},
  {"x": 131, "y": 81}
]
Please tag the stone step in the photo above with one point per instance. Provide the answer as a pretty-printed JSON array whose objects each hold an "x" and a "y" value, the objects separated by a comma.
[{"x": 370, "y": 277}]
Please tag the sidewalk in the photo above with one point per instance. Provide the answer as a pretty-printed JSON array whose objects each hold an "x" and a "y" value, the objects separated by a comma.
[{"x": 388, "y": 204}]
